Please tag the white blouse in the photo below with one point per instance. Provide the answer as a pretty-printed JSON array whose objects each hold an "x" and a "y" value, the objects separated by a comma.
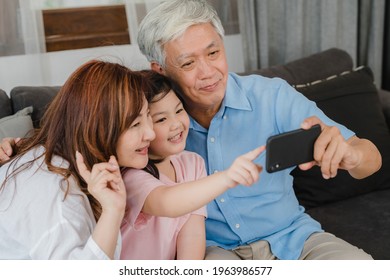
[{"x": 36, "y": 222}]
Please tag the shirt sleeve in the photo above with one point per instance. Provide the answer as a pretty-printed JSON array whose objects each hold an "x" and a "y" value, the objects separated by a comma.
[
  {"x": 46, "y": 217},
  {"x": 292, "y": 107},
  {"x": 53, "y": 245},
  {"x": 138, "y": 184},
  {"x": 198, "y": 166},
  {"x": 71, "y": 236}
]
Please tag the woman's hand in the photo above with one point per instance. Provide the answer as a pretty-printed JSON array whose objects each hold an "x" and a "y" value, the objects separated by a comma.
[{"x": 106, "y": 185}]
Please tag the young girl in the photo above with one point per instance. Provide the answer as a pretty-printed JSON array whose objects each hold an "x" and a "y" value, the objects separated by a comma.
[
  {"x": 57, "y": 203},
  {"x": 166, "y": 212}
]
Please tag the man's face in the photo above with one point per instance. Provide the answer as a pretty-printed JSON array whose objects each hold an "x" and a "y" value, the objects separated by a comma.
[{"x": 197, "y": 62}]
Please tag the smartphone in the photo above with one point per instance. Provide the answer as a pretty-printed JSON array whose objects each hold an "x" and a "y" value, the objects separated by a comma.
[{"x": 291, "y": 148}]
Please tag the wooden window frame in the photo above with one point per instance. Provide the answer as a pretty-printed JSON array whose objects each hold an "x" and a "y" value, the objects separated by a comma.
[{"x": 85, "y": 27}]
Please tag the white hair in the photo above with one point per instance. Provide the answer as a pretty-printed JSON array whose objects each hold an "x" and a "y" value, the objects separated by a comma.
[{"x": 170, "y": 20}]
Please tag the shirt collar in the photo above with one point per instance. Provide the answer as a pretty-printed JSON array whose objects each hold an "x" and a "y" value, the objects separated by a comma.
[{"x": 235, "y": 98}]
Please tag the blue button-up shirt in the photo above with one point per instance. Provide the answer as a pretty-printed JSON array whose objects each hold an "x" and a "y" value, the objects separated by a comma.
[{"x": 253, "y": 109}]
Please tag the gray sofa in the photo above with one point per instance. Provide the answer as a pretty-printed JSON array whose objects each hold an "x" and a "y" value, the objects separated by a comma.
[{"x": 355, "y": 210}]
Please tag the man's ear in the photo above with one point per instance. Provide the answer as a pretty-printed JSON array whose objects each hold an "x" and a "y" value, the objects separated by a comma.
[{"x": 155, "y": 66}]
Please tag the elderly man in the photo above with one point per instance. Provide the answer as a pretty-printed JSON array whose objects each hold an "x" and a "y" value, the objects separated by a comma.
[{"x": 230, "y": 115}]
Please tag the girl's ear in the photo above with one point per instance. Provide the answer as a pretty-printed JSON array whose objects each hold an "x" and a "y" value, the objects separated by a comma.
[{"x": 156, "y": 67}]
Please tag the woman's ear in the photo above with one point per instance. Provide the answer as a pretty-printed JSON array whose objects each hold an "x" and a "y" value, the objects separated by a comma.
[{"x": 155, "y": 66}]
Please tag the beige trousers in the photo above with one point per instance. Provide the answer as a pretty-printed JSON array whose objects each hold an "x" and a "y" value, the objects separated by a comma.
[{"x": 319, "y": 246}]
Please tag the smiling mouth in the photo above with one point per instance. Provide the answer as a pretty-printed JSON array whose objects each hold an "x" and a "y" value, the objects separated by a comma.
[
  {"x": 143, "y": 150},
  {"x": 210, "y": 87},
  {"x": 213, "y": 85},
  {"x": 176, "y": 137}
]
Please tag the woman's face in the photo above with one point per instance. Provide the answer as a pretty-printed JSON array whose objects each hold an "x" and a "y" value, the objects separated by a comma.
[
  {"x": 170, "y": 124},
  {"x": 133, "y": 144}
]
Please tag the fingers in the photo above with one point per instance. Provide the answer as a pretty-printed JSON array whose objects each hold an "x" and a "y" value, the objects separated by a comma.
[
  {"x": 310, "y": 121},
  {"x": 83, "y": 170},
  {"x": 107, "y": 178},
  {"x": 307, "y": 165},
  {"x": 6, "y": 148},
  {"x": 252, "y": 168},
  {"x": 245, "y": 175},
  {"x": 329, "y": 151},
  {"x": 104, "y": 172},
  {"x": 254, "y": 153},
  {"x": 243, "y": 170}
]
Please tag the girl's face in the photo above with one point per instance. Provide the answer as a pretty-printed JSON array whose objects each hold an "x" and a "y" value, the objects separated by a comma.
[
  {"x": 170, "y": 124},
  {"x": 133, "y": 144}
]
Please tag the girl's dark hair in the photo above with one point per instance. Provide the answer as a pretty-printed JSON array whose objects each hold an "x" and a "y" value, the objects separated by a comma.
[{"x": 159, "y": 87}]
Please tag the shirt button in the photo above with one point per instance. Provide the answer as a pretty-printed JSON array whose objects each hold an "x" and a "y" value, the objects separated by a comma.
[
  {"x": 224, "y": 117},
  {"x": 222, "y": 200},
  {"x": 237, "y": 225},
  {"x": 215, "y": 171},
  {"x": 212, "y": 139}
]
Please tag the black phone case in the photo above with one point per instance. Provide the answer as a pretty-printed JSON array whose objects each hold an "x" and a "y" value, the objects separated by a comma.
[{"x": 291, "y": 148}]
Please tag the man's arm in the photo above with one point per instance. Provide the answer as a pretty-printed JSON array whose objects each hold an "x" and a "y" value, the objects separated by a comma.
[
  {"x": 360, "y": 157},
  {"x": 6, "y": 148}
]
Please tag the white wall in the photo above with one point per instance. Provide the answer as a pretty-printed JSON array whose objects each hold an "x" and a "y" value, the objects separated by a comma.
[{"x": 53, "y": 68}]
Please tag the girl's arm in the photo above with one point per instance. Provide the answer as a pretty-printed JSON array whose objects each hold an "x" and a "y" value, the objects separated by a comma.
[
  {"x": 181, "y": 199},
  {"x": 191, "y": 241}
]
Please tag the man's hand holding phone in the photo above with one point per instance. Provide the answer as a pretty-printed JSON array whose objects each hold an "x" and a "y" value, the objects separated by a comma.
[
  {"x": 291, "y": 148},
  {"x": 330, "y": 152},
  {"x": 314, "y": 144}
]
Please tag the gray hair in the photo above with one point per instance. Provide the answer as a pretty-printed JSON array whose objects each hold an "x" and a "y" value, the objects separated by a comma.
[{"x": 170, "y": 20}]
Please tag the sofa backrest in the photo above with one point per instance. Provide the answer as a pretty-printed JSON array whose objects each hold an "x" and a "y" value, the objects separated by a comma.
[
  {"x": 311, "y": 68},
  {"x": 349, "y": 96},
  {"x": 5, "y": 104},
  {"x": 39, "y": 97}
]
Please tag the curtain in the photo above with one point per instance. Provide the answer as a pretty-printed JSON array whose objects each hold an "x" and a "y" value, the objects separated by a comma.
[
  {"x": 32, "y": 27},
  {"x": 278, "y": 31},
  {"x": 371, "y": 25},
  {"x": 21, "y": 27},
  {"x": 136, "y": 10},
  {"x": 11, "y": 39},
  {"x": 386, "y": 50}
]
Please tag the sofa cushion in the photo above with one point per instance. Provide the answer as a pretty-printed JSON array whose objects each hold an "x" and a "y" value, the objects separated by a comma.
[
  {"x": 38, "y": 97},
  {"x": 350, "y": 99},
  {"x": 5, "y": 104},
  {"x": 16, "y": 125},
  {"x": 363, "y": 221}
]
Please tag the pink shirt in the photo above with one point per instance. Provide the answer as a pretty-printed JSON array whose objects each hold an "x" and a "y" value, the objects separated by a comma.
[{"x": 149, "y": 237}]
